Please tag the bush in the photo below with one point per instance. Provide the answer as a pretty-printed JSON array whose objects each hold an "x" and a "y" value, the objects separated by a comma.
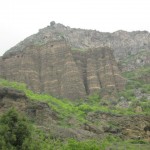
[
  {"x": 82, "y": 145},
  {"x": 16, "y": 132},
  {"x": 13, "y": 130}
]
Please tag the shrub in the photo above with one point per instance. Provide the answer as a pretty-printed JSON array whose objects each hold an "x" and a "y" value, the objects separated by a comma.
[
  {"x": 13, "y": 130},
  {"x": 82, "y": 145}
]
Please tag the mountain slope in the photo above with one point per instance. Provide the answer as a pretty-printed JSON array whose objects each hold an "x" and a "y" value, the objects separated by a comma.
[
  {"x": 55, "y": 69},
  {"x": 90, "y": 119}
]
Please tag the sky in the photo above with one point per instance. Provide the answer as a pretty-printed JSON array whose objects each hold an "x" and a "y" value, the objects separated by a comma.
[{"x": 22, "y": 18}]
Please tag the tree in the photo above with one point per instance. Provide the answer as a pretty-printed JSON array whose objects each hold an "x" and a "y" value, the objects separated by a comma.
[{"x": 14, "y": 130}]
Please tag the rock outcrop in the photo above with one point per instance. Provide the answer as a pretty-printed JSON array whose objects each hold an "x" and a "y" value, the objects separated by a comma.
[
  {"x": 127, "y": 127},
  {"x": 53, "y": 68},
  {"x": 99, "y": 70},
  {"x": 39, "y": 112}
]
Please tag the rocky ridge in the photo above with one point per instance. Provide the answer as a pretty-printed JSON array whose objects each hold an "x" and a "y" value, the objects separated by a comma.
[{"x": 123, "y": 43}]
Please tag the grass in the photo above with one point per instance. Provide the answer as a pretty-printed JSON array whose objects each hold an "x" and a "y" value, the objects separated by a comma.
[
  {"x": 78, "y": 49},
  {"x": 131, "y": 58}
]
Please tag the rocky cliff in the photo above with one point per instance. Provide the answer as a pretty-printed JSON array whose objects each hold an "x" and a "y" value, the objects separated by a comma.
[
  {"x": 72, "y": 63},
  {"x": 55, "y": 69}
]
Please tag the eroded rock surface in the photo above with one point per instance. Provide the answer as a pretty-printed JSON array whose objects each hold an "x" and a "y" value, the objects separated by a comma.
[{"x": 54, "y": 69}]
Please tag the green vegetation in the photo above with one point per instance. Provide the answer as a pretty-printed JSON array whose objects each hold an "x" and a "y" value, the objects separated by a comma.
[
  {"x": 67, "y": 109},
  {"x": 136, "y": 74},
  {"x": 136, "y": 83},
  {"x": 17, "y": 133},
  {"x": 78, "y": 49},
  {"x": 132, "y": 58}
]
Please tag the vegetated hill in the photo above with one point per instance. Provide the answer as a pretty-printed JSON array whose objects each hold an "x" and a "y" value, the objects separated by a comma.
[
  {"x": 114, "y": 111},
  {"x": 125, "y": 120}
]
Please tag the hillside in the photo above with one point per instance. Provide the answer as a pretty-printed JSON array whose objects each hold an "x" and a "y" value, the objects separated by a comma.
[
  {"x": 94, "y": 118},
  {"x": 78, "y": 90}
]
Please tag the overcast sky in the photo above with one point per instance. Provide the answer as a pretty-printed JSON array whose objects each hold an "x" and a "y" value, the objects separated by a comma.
[{"x": 21, "y": 18}]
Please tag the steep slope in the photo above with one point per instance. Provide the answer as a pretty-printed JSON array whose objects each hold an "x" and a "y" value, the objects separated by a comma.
[
  {"x": 68, "y": 119},
  {"x": 53, "y": 68},
  {"x": 42, "y": 68},
  {"x": 99, "y": 70}
]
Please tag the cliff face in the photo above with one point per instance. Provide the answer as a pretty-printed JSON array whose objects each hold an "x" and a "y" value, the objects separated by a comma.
[
  {"x": 72, "y": 63},
  {"x": 53, "y": 68},
  {"x": 99, "y": 70}
]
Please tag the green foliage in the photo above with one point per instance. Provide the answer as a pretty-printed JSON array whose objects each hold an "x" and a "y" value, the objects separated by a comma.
[
  {"x": 78, "y": 49},
  {"x": 14, "y": 130},
  {"x": 94, "y": 98},
  {"x": 134, "y": 57},
  {"x": 81, "y": 145},
  {"x": 136, "y": 74},
  {"x": 17, "y": 133},
  {"x": 135, "y": 82}
]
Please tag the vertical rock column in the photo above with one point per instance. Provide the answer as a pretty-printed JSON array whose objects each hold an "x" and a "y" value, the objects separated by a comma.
[
  {"x": 109, "y": 73},
  {"x": 72, "y": 85},
  {"x": 49, "y": 81},
  {"x": 92, "y": 79}
]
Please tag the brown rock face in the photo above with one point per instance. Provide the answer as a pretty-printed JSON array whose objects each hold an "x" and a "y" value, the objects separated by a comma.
[
  {"x": 99, "y": 70},
  {"x": 53, "y": 68}
]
